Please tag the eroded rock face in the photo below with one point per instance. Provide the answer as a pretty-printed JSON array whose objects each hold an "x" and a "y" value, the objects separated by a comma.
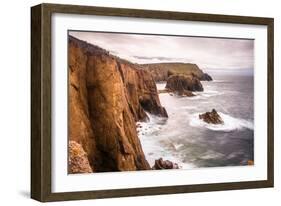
[
  {"x": 184, "y": 84},
  {"x": 141, "y": 91},
  {"x": 78, "y": 159},
  {"x": 211, "y": 117},
  {"x": 80, "y": 127},
  {"x": 107, "y": 96},
  {"x": 161, "y": 164}
]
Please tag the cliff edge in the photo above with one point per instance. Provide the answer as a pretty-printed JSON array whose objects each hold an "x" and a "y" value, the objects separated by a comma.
[{"x": 107, "y": 95}]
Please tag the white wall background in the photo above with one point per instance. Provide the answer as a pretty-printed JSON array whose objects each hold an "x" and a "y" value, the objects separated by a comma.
[{"x": 15, "y": 102}]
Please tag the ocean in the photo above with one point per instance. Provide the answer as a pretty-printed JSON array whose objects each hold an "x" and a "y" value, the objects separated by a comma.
[{"x": 191, "y": 143}]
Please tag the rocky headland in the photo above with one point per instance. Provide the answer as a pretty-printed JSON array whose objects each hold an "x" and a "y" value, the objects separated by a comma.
[
  {"x": 162, "y": 71},
  {"x": 182, "y": 78},
  {"x": 107, "y": 96}
]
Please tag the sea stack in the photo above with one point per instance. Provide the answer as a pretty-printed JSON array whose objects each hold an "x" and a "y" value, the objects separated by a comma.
[
  {"x": 211, "y": 117},
  {"x": 183, "y": 85}
]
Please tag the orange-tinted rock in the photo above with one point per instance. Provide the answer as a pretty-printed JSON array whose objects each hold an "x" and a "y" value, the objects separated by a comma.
[
  {"x": 250, "y": 162},
  {"x": 107, "y": 96},
  {"x": 141, "y": 90},
  {"x": 78, "y": 159},
  {"x": 80, "y": 128}
]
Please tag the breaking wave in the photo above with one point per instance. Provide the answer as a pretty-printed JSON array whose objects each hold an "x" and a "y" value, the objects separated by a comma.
[
  {"x": 157, "y": 146},
  {"x": 230, "y": 123}
]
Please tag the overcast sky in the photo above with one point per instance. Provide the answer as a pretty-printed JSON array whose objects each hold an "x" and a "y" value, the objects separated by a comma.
[{"x": 207, "y": 53}]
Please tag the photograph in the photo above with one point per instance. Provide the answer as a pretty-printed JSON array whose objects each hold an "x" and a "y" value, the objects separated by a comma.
[
  {"x": 154, "y": 102},
  {"x": 133, "y": 102}
]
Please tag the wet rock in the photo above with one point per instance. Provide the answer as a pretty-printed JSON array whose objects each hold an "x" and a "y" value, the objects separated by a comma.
[
  {"x": 161, "y": 164},
  {"x": 211, "y": 117}
]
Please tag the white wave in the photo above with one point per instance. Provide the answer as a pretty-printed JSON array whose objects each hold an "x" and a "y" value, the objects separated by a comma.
[
  {"x": 154, "y": 150},
  {"x": 206, "y": 94},
  {"x": 234, "y": 154},
  {"x": 186, "y": 108},
  {"x": 220, "y": 81},
  {"x": 151, "y": 143},
  {"x": 210, "y": 154},
  {"x": 161, "y": 85},
  {"x": 177, "y": 146},
  {"x": 230, "y": 123}
]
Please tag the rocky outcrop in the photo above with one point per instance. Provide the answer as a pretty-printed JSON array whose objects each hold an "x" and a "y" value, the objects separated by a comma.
[
  {"x": 161, "y": 71},
  {"x": 206, "y": 77},
  {"x": 161, "y": 164},
  {"x": 211, "y": 117},
  {"x": 107, "y": 95},
  {"x": 78, "y": 159},
  {"x": 184, "y": 84}
]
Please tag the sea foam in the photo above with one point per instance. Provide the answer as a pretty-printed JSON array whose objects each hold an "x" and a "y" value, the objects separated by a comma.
[
  {"x": 230, "y": 123},
  {"x": 152, "y": 144}
]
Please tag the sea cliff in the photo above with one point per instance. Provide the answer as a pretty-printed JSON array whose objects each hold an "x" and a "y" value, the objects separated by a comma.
[{"x": 107, "y": 96}]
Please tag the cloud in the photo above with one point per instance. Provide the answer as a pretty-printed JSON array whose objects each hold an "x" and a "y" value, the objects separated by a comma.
[
  {"x": 161, "y": 59},
  {"x": 207, "y": 53}
]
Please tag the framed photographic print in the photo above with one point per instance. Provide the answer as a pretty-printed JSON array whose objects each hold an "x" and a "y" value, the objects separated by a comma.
[{"x": 132, "y": 102}]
